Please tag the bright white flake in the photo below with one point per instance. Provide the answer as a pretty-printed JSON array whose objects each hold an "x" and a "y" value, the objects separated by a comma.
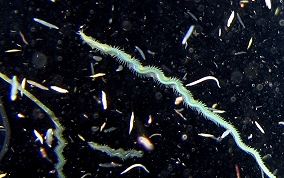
[
  {"x": 45, "y": 23},
  {"x": 231, "y": 18},
  {"x": 58, "y": 89}
]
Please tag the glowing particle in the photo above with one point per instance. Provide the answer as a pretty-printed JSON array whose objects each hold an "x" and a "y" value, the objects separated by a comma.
[
  {"x": 131, "y": 122},
  {"x": 97, "y": 75},
  {"x": 45, "y": 23},
  {"x": 259, "y": 127},
  {"x": 14, "y": 89},
  {"x": 250, "y": 43},
  {"x": 81, "y": 137},
  {"x": 277, "y": 11},
  {"x": 44, "y": 154},
  {"x": 13, "y": 50},
  {"x": 23, "y": 38},
  {"x": 220, "y": 31},
  {"x": 231, "y": 18},
  {"x": 214, "y": 106},
  {"x": 178, "y": 100},
  {"x": 268, "y": 3},
  {"x": 216, "y": 110},
  {"x": 58, "y": 89},
  {"x": 39, "y": 137},
  {"x": 150, "y": 120},
  {"x": 20, "y": 115},
  {"x": 206, "y": 135},
  {"x": 3, "y": 175},
  {"x": 104, "y": 100},
  {"x": 250, "y": 137},
  {"x": 120, "y": 68},
  {"x": 184, "y": 137},
  {"x": 103, "y": 126},
  {"x": 145, "y": 142},
  {"x": 225, "y": 134}
]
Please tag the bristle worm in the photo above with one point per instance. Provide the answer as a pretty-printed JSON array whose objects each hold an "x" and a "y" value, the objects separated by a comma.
[
  {"x": 158, "y": 75},
  {"x": 120, "y": 153}
]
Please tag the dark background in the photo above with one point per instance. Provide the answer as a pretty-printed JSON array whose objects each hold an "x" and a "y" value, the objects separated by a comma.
[{"x": 247, "y": 81}]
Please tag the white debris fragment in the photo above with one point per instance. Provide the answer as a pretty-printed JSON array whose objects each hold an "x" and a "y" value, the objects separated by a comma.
[
  {"x": 268, "y": 3},
  {"x": 187, "y": 35},
  {"x": 45, "y": 23},
  {"x": 14, "y": 89},
  {"x": 49, "y": 137},
  {"x": 259, "y": 127},
  {"x": 231, "y": 18},
  {"x": 104, "y": 100},
  {"x": 39, "y": 137},
  {"x": 58, "y": 89}
]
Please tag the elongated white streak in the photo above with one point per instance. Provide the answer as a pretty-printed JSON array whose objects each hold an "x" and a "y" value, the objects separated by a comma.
[
  {"x": 240, "y": 20},
  {"x": 141, "y": 52},
  {"x": 231, "y": 18},
  {"x": 187, "y": 35},
  {"x": 210, "y": 136},
  {"x": 39, "y": 137},
  {"x": 193, "y": 16},
  {"x": 216, "y": 110},
  {"x": 97, "y": 75},
  {"x": 131, "y": 122},
  {"x": 13, "y": 50},
  {"x": 203, "y": 79},
  {"x": 37, "y": 85},
  {"x": 133, "y": 166},
  {"x": 268, "y": 3},
  {"x": 23, "y": 85},
  {"x": 102, "y": 126},
  {"x": 225, "y": 134},
  {"x": 206, "y": 135},
  {"x": 250, "y": 43},
  {"x": 259, "y": 127},
  {"x": 104, "y": 100},
  {"x": 58, "y": 89},
  {"x": 45, "y": 23},
  {"x": 155, "y": 134},
  {"x": 14, "y": 89}
]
